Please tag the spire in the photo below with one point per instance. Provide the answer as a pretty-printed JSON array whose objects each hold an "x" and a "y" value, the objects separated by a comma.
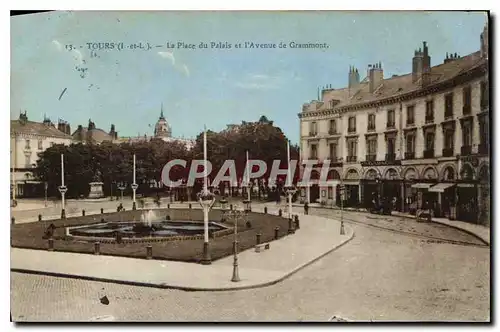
[{"x": 161, "y": 113}]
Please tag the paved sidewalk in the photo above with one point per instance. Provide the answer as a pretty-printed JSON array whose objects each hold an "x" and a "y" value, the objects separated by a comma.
[
  {"x": 317, "y": 237},
  {"x": 479, "y": 231}
]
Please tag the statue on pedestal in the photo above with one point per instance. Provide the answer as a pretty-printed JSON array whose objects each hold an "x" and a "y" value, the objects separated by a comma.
[{"x": 96, "y": 186}]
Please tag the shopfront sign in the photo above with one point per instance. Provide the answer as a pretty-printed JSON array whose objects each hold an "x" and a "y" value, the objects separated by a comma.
[{"x": 380, "y": 163}]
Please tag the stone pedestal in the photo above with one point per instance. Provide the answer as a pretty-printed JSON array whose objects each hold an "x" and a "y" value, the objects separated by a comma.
[{"x": 96, "y": 190}]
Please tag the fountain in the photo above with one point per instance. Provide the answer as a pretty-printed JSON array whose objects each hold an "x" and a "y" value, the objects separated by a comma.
[{"x": 150, "y": 225}]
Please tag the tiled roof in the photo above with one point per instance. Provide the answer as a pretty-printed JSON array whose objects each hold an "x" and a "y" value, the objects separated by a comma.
[
  {"x": 36, "y": 128},
  {"x": 98, "y": 135},
  {"x": 399, "y": 85}
]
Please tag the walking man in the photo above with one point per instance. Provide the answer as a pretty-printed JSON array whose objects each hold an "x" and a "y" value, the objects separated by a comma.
[{"x": 306, "y": 208}]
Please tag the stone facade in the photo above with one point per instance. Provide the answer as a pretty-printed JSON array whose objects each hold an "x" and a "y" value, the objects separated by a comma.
[{"x": 398, "y": 138}]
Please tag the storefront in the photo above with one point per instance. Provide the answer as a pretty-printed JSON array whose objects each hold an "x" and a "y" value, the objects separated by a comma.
[
  {"x": 352, "y": 188},
  {"x": 467, "y": 194}
]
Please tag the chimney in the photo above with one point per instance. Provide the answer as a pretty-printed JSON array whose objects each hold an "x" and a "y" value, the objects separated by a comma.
[
  {"x": 484, "y": 42},
  {"x": 68, "y": 129},
  {"x": 375, "y": 76},
  {"x": 353, "y": 77},
  {"x": 421, "y": 66},
  {"x": 451, "y": 57}
]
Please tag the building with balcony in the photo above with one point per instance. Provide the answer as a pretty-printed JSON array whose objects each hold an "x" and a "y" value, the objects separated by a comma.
[
  {"x": 27, "y": 140},
  {"x": 420, "y": 140}
]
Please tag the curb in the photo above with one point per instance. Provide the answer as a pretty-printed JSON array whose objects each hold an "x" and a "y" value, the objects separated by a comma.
[
  {"x": 479, "y": 237},
  {"x": 185, "y": 288}
]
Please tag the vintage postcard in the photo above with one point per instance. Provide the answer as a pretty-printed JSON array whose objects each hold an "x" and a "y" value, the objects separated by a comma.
[{"x": 246, "y": 166}]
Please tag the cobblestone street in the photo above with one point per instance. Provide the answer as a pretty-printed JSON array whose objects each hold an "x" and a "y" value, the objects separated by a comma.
[{"x": 379, "y": 275}]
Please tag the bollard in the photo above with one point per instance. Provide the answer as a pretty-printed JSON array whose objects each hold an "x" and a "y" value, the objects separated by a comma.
[
  {"x": 102, "y": 210},
  {"x": 149, "y": 252},
  {"x": 83, "y": 213},
  {"x": 51, "y": 244},
  {"x": 258, "y": 236},
  {"x": 13, "y": 221},
  {"x": 231, "y": 207},
  {"x": 280, "y": 213},
  {"x": 63, "y": 214},
  {"x": 291, "y": 230},
  {"x": 97, "y": 248},
  {"x": 276, "y": 230},
  {"x": 168, "y": 206},
  {"x": 265, "y": 209},
  {"x": 297, "y": 223},
  {"x": 134, "y": 206},
  {"x": 189, "y": 205},
  {"x": 39, "y": 217}
]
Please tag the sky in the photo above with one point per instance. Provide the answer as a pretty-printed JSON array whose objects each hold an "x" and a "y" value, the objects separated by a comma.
[{"x": 212, "y": 86}]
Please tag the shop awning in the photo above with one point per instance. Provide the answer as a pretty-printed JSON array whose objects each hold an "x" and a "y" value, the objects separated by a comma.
[
  {"x": 441, "y": 187},
  {"x": 422, "y": 185}
]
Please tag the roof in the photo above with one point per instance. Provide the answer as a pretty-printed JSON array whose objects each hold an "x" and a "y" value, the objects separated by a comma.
[
  {"x": 36, "y": 128},
  {"x": 98, "y": 135},
  {"x": 399, "y": 85}
]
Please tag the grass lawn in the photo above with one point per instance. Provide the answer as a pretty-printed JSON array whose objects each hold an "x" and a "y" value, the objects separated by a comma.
[{"x": 30, "y": 235}]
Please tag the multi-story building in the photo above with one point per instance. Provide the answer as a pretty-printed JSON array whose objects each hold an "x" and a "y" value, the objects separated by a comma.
[
  {"x": 27, "y": 140},
  {"x": 420, "y": 139}
]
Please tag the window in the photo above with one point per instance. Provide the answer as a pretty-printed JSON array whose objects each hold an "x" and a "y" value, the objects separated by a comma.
[
  {"x": 410, "y": 115},
  {"x": 40, "y": 144},
  {"x": 429, "y": 141},
  {"x": 429, "y": 111},
  {"x": 314, "y": 151},
  {"x": 28, "y": 144},
  {"x": 449, "y": 137},
  {"x": 372, "y": 146},
  {"x": 410, "y": 143},
  {"x": 391, "y": 118},
  {"x": 27, "y": 162},
  {"x": 467, "y": 135},
  {"x": 371, "y": 121},
  {"x": 485, "y": 100},
  {"x": 448, "y": 105},
  {"x": 352, "y": 124},
  {"x": 333, "y": 151},
  {"x": 390, "y": 146},
  {"x": 484, "y": 134},
  {"x": 352, "y": 148},
  {"x": 467, "y": 97},
  {"x": 313, "y": 130},
  {"x": 333, "y": 127}
]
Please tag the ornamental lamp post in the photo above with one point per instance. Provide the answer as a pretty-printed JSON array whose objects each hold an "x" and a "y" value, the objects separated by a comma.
[
  {"x": 207, "y": 200},
  {"x": 134, "y": 188},
  {"x": 290, "y": 190},
  {"x": 122, "y": 186},
  {"x": 224, "y": 208},
  {"x": 62, "y": 188},
  {"x": 248, "y": 201},
  {"x": 236, "y": 215}
]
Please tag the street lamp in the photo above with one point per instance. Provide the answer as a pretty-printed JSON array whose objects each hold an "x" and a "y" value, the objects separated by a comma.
[
  {"x": 134, "y": 188},
  {"x": 207, "y": 200},
  {"x": 224, "y": 207},
  {"x": 62, "y": 188},
  {"x": 122, "y": 186},
  {"x": 46, "y": 186},
  {"x": 235, "y": 215}
]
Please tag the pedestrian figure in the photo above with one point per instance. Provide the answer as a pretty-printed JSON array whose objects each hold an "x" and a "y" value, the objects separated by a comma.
[{"x": 306, "y": 208}]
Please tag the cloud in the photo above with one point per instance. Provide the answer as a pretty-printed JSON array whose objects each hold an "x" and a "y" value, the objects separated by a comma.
[
  {"x": 57, "y": 44},
  {"x": 259, "y": 82},
  {"x": 168, "y": 55},
  {"x": 183, "y": 68},
  {"x": 186, "y": 70}
]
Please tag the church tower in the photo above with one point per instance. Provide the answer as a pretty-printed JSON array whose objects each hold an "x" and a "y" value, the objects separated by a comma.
[{"x": 162, "y": 128}]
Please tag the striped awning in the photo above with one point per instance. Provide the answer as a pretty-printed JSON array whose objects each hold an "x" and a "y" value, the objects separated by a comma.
[
  {"x": 422, "y": 185},
  {"x": 441, "y": 187}
]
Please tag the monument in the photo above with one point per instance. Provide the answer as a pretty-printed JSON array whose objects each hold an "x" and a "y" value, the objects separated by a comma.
[{"x": 96, "y": 186}]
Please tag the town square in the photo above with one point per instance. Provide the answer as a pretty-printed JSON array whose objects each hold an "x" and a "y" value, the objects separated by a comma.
[{"x": 158, "y": 180}]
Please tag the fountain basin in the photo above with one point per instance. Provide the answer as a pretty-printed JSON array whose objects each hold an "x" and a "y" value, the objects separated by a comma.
[{"x": 132, "y": 229}]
